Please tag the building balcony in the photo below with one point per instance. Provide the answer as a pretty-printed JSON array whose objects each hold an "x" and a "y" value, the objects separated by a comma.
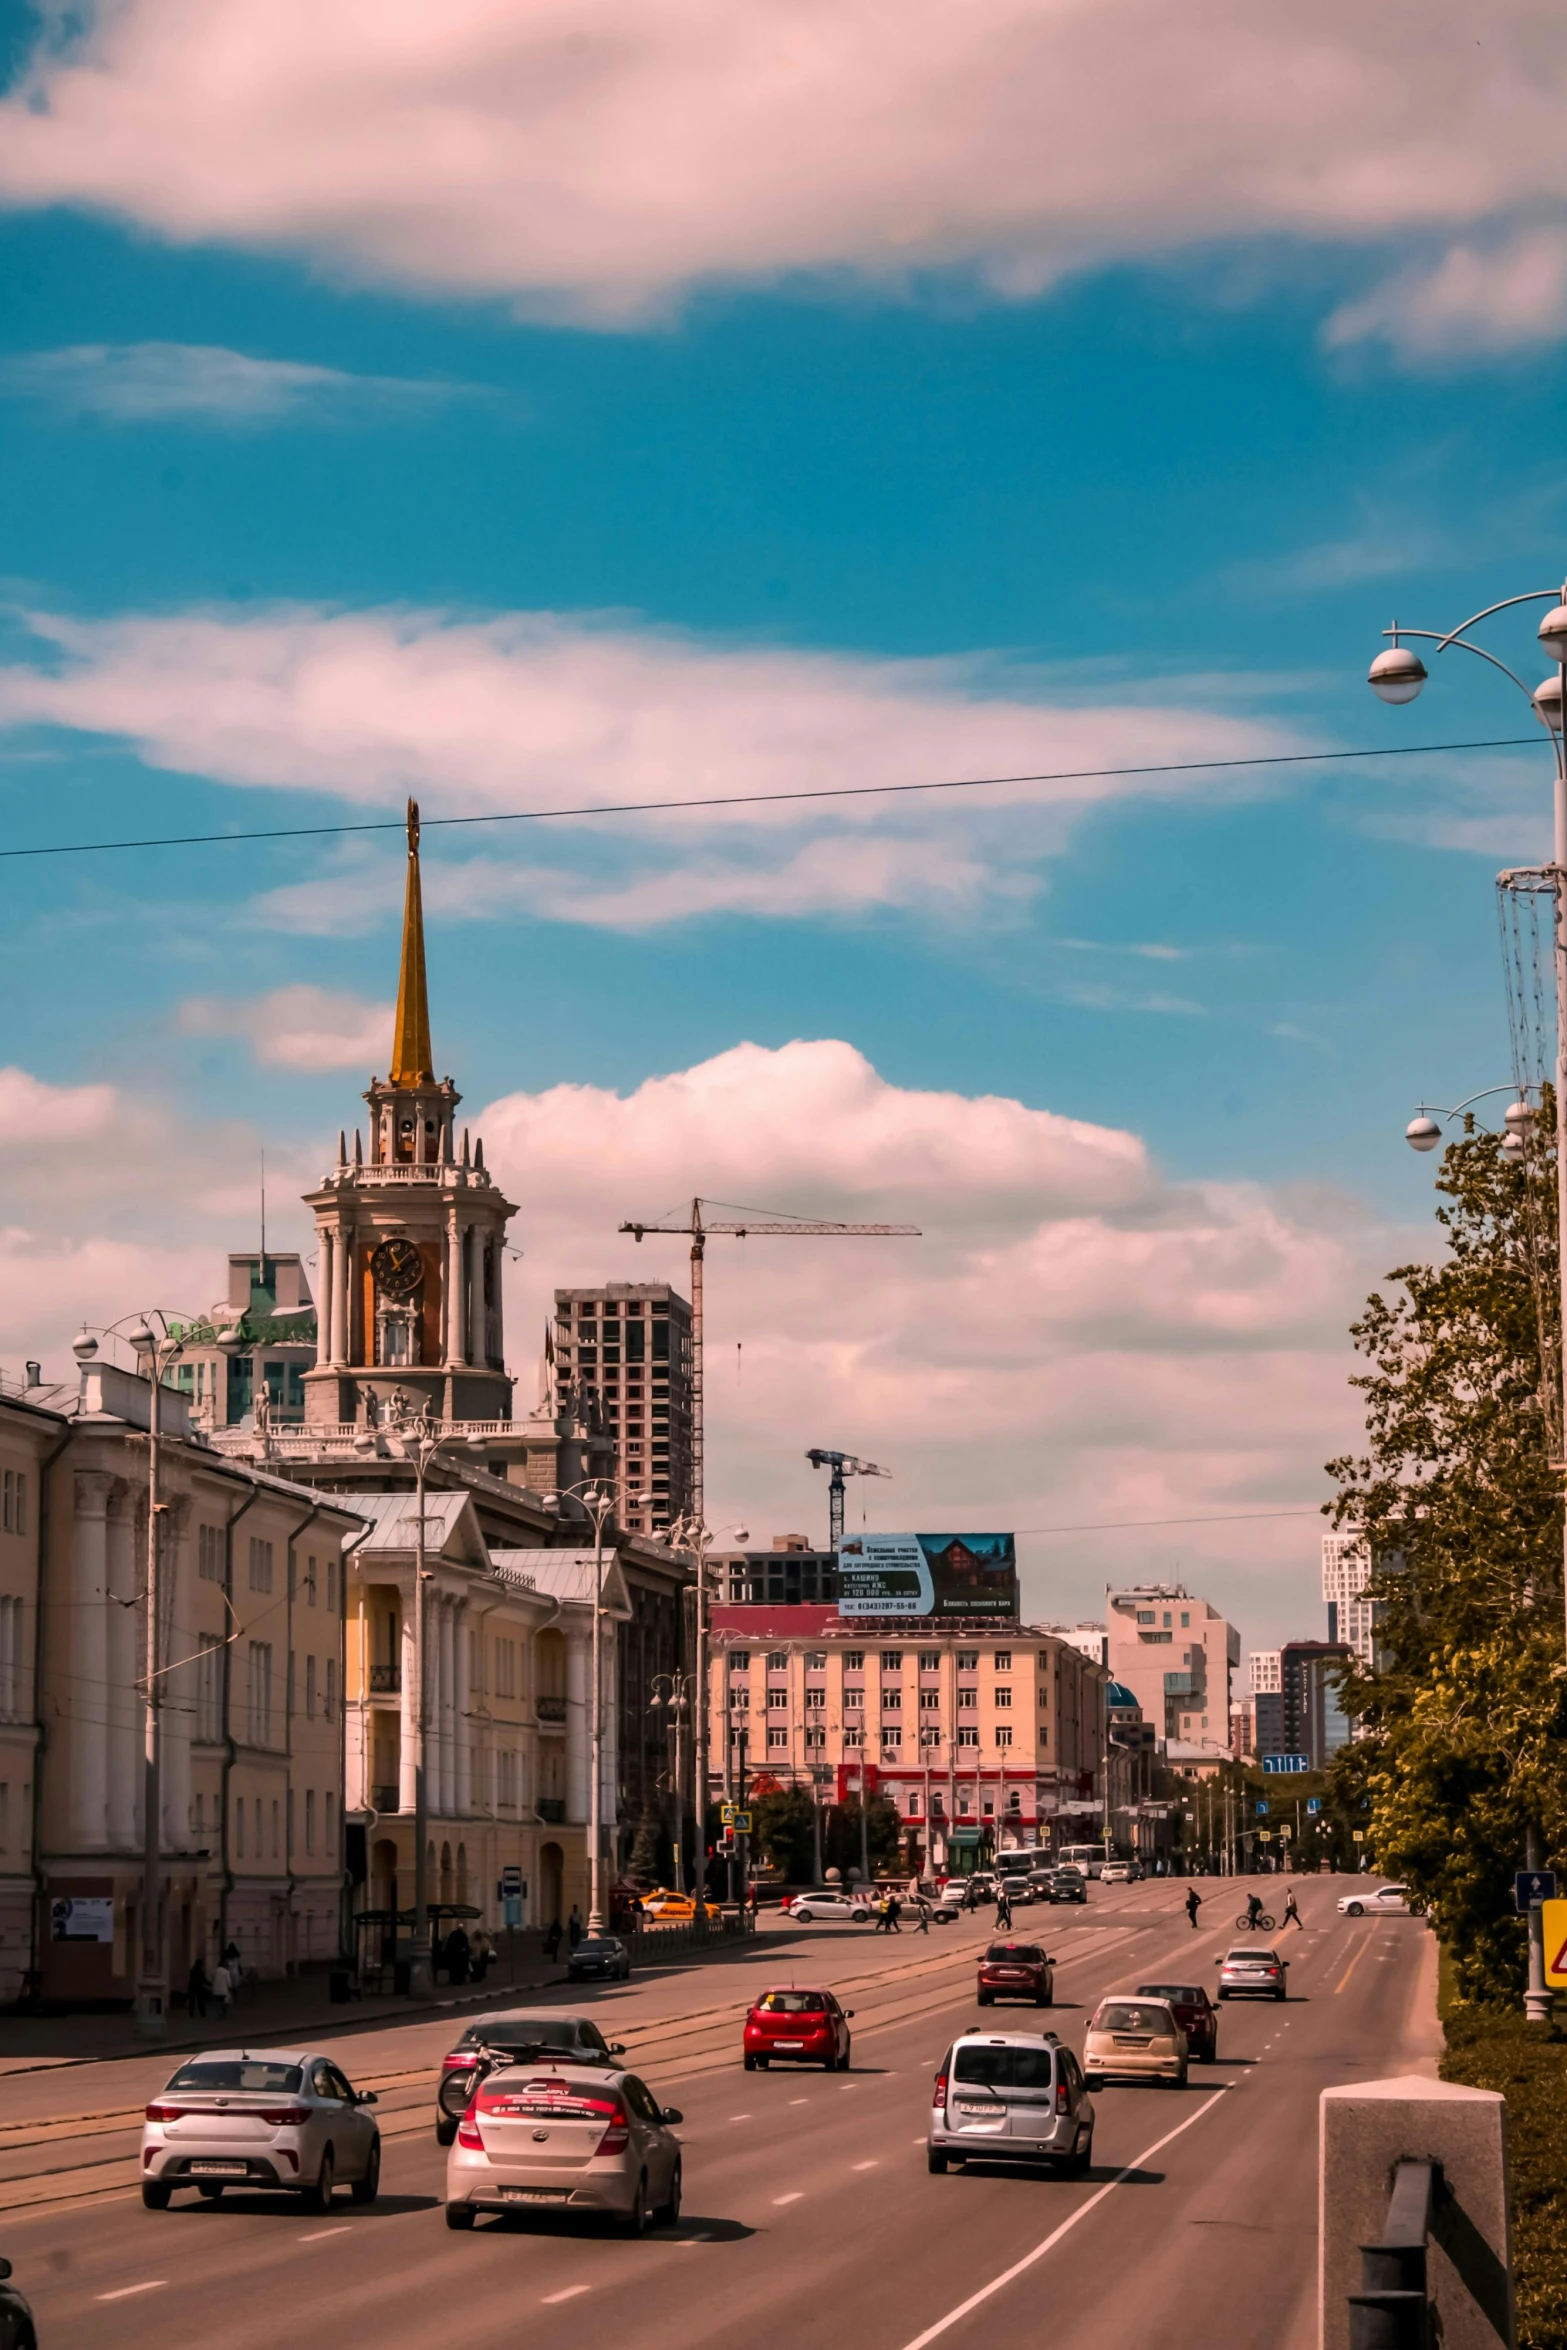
[
  {"x": 385, "y": 1681},
  {"x": 552, "y": 1810},
  {"x": 550, "y": 1709},
  {"x": 1181, "y": 1684},
  {"x": 384, "y": 1799}
]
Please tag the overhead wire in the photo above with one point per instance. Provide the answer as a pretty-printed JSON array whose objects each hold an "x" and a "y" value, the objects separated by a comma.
[{"x": 766, "y": 799}]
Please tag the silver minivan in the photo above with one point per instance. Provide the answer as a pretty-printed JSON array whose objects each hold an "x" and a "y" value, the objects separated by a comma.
[{"x": 1010, "y": 2097}]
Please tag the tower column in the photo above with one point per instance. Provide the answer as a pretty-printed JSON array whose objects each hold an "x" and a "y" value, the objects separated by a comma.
[
  {"x": 579, "y": 1749},
  {"x": 122, "y": 1639},
  {"x": 463, "y": 1726},
  {"x": 451, "y": 1302},
  {"x": 90, "y": 1663},
  {"x": 409, "y": 1754},
  {"x": 326, "y": 1285},
  {"x": 342, "y": 1336}
]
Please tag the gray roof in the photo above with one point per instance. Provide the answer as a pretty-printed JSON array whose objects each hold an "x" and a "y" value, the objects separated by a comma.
[
  {"x": 394, "y": 1518},
  {"x": 565, "y": 1575}
]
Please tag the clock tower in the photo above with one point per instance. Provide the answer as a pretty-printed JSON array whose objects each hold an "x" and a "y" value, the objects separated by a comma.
[{"x": 412, "y": 1236}]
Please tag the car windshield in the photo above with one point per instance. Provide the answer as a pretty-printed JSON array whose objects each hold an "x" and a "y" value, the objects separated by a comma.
[
  {"x": 1016, "y": 1953},
  {"x": 1004, "y": 2068},
  {"x": 528, "y": 2031},
  {"x": 597, "y": 1946},
  {"x": 240, "y": 2072},
  {"x": 1186, "y": 1994},
  {"x": 791, "y": 2003},
  {"x": 1245, "y": 1956},
  {"x": 1125, "y": 2015}
]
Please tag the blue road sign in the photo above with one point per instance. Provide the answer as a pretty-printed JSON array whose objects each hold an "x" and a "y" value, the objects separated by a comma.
[
  {"x": 1532, "y": 1886},
  {"x": 1286, "y": 1762},
  {"x": 1313, "y": 1803},
  {"x": 1262, "y": 1811}
]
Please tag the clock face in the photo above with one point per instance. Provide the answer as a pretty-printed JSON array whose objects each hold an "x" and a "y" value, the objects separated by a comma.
[{"x": 397, "y": 1267}]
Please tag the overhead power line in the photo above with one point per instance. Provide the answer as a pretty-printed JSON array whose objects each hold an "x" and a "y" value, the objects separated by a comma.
[
  {"x": 764, "y": 799},
  {"x": 1115, "y": 1525}
]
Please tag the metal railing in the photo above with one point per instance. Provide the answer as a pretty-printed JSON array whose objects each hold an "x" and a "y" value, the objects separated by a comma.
[
  {"x": 552, "y": 1810},
  {"x": 550, "y": 1709},
  {"x": 385, "y": 1680},
  {"x": 1392, "y": 2310},
  {"x": 385, "y": 1799}
]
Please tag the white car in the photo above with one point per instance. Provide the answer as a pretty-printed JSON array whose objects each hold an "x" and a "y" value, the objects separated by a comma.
[
  {"x": 580, "y": 2139},
  {"x": 1376, "y": 1901},
  {"x": 1116, "y": 1872},
  {"x": 811, "y": 1907},
  {"x": 286, "y": 2119}
]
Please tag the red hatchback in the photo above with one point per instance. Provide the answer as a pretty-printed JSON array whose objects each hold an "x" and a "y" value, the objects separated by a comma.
[
  {"x": 797, "y": 2027},
  {"x": 1194, "y": 2012},
  {"x": 1016, "y": 1970}
]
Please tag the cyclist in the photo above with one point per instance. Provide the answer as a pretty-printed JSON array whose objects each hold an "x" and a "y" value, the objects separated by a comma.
[{"x": 1253, "y": 1909}]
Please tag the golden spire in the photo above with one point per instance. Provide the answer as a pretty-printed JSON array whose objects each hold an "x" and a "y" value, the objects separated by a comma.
[{"x": 411, "y": 1064}]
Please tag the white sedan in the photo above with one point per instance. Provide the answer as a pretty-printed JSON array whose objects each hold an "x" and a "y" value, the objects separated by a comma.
[
  {"x": 1116, "y": 1872},
  {"x": 813, "y": 1906},
  {"x": 1375, "y": 1902},
  {"x": 283, "y": 2119}
]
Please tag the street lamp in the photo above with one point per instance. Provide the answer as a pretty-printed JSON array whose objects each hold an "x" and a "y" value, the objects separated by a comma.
[
  {"x": 1397, "y": 676},
  {"x": 671, "y": 1690},
  {"x": 1423, "y": 1133},
  {"x": 689, "y": 1534},
  {"x": 599, "y": 1502}
]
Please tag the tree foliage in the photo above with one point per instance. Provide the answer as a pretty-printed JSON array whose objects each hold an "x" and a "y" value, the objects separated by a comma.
[{"x": 1462, "y": 1505}]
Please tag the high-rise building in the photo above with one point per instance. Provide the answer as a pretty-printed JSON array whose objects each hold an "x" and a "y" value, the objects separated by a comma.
[
  {"x": 1087, "y": 1638},
  {"x": 1176, "y": 1654},
  {"x": 1263, "y": 1665},
  {"x": 1315, "y": 1723},
  {"x": 624, "y": 1350},
  {"x": 1346, "y": 1570}
]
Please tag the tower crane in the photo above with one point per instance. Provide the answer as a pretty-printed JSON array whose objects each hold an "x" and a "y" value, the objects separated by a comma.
[
  {"x": 842, "y": 1464},
  {"x": 758, "y": 1224}
]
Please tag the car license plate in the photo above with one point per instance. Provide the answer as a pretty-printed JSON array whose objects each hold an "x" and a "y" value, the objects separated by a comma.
[
  {"x": 985, "y": 2112},
  {"x": 536, "y": 2194},
  {"x": 788, "y": 2043},
  {"x": 218, "y": 2170}
]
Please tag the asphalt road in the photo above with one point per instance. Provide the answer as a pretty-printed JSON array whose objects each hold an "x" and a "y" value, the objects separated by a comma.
[{"x": 809, "y": 2212}]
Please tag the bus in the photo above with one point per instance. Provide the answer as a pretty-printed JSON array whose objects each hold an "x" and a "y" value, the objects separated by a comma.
[{"x": 1090, "y": 1858}]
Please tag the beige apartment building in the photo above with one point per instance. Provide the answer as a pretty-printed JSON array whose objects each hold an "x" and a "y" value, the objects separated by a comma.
[
  {"x": 996, "y": 1732},
  {"x": 1176, "y": 1654},
  {"x": 250, "y": 1679}
]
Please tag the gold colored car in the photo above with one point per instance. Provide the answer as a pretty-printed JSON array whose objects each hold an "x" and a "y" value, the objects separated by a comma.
[
  {"x": 677, "y": 1909},
  {"x": 1134, "y": 2039}
]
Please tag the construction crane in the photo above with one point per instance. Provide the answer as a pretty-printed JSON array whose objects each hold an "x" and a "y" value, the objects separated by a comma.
[
  {"x": 842, "y": 1464},
  {"x": 758, "y": 1224}
]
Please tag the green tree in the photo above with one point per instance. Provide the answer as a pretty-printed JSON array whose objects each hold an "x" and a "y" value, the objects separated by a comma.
[
  {"x": 1462, "y": 1506},
  {"x": 883, "y": 1834},
  {"x": 783, "y": 1832}
]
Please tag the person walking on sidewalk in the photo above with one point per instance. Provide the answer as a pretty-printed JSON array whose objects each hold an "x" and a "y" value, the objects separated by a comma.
[
  {"x": 1291, "y": 1915},
  {"x": 552, "y": 1940},
  {"x": 1193, "y": 1905},
  {"x": 921, "y": 1914},
  {"x": 1003, "y": 1914},
  {"x": 574, "y": 1926},
  {"x": 197, "y": 1987},
  {"x": 222, "y": 1987}
]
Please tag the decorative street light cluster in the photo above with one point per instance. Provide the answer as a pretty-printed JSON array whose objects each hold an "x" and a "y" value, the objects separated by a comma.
[{"x": 1397, "y": 676}]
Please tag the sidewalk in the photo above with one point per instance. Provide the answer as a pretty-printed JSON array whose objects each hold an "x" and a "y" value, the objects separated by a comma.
[{"x": 300, "y": 2009}]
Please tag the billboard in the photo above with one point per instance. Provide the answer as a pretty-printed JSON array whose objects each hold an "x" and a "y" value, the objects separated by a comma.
[{"x": 928, "y": 1575}]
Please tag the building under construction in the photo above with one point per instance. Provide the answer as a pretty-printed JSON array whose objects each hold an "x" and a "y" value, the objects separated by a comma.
[{"x": 628, "y": 1345}]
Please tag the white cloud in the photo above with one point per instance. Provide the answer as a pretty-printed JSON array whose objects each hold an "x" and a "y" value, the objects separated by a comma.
[
  {"x": 143, "y": 383},
  {"x": 541, "y": 712},
  {"x": 301, "y": 1027},
  {"x": 1503, "y": 292},
  {"x": 35, "y": 1116},
  {"x": 1075, "y": 1339},
  {"x": 595, "y": 161}
]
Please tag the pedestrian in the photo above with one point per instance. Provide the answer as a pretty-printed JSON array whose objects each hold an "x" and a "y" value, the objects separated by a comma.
[
  {"x": 222, "y": 1987},
  {"x": 880, "y": 1926},
  {"x": 1291, "y": 1910},
  {"x": 552, "y": 1940},
  {"x": 894, "y": 1914},
  {"x": 1193, "y": 1905},
  {"x": 197, "y": 1988},
  {"x": 481, "y": 1951},
  {"x": 1003, "y": 1914},
  {"x": 457, "y": 1955},
  {"x": 922, "y": 1914},
  {"x": 574, "y": 1926}
]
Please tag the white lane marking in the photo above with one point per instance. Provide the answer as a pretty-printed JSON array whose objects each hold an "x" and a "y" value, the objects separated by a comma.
[
  {"x": 799, "y": 2101},
  {"x": 1018, "y": 2266},
  {"x": 570, "y": 2294},
  {"x": 739, "y": 2117},
  {"x": 867, "y": 2166},
  {"x": 125, "y": 2291},
  {"x": 780, "y": 2200},
  {"x": 321, "y": 2235}
]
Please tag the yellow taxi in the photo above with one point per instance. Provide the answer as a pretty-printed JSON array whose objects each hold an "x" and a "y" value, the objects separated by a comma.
[{"x": 676, "y": 1909}]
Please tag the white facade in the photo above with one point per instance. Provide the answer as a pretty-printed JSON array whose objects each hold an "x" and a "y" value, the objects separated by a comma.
[
  {"x": 1266, "y": 1675},
  {"x": 1346, "y": 1570}
]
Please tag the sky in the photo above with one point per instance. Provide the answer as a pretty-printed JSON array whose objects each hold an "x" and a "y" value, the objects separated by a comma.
[{"x": 531, "y": 405}]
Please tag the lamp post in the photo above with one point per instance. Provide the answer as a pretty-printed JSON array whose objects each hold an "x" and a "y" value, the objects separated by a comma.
[
  {"x": 599, "y": 1502},
  {"x": 159, "y": 1346},
  {"x": 688, "y": 1533},
  {"x": 1397, "y": 676},
  {"x": 673, "y": 1695}
]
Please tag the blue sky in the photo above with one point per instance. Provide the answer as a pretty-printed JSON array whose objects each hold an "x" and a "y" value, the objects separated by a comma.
[{"x": 1167, "y": 485}]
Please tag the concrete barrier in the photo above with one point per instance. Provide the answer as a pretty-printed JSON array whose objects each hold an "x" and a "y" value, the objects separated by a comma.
[{"x": 1366, "y": 2131}]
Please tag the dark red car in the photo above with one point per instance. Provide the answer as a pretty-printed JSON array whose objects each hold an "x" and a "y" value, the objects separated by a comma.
[
  {"x": 1016, "y": 1970},
  {"x": 797, "y": 2027},
  {"x": 1194, "y": 2012}
]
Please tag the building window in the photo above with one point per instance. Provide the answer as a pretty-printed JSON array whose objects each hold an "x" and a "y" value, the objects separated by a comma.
[
  {"x": 815, "y": 1740},
  {"x": 777, "y": 1738},
  {"x": 930, "y": 1737},
  {"x": 239, "y": 1827},
  {"x": 331, "y": 1587},
  {"x": 854, "y": 1698},
  {"x": 892, "y": 1660},
  {"x": 815, "y": 1700},
  {"x": 853, "y": 1738},
  {"x": 777, "y": 1700},
  {"x": 310, "y": 1819},
  {"x": 310, "y": 1582},
  {"x": 968, "y": 1735},
  {"x": 310, "y": 1688},
  {"x": 505, "y": 1668},
  {"x": 816, "y": 1662},
  {"x": 891, "y": 1700},
  {"x": 1004, "y": 1734},
  {"x": 930, "y": 1701},
  {"x": 1044, "y": 1697},
  {"x": 209, "y": 1689},
  {"x": 854, "y": 1660},
  {"x": 968, "y": 1699},
  {"x": 275, "y": 1845},
  {"x": 260, "y": 1698},
  {"x": 209, "y": 1553},
  {"x": 739, "y": 1697},
  {"x": 1186, "y": 1621},
  {"x": 1003, "y": 1697},
  {"x": 10, "y": 1657},
  {"x": 930, "y": 1660},
  {"x": 330, "y": 1708},
  {"x": 1003, "y": 1660},
  {"x": 778, "y": 1662},
  {"x": 506, "y": 1780},
  {"x": 740, "y": 1660},
  {"x": 260, "y": 1564},
  {"x": 13, "y": 1501},
  {"x": 1145, "y": 1615}
]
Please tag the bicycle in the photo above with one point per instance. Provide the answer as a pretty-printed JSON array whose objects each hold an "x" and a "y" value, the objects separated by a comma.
[{"x": 1262, "y": 1923}]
